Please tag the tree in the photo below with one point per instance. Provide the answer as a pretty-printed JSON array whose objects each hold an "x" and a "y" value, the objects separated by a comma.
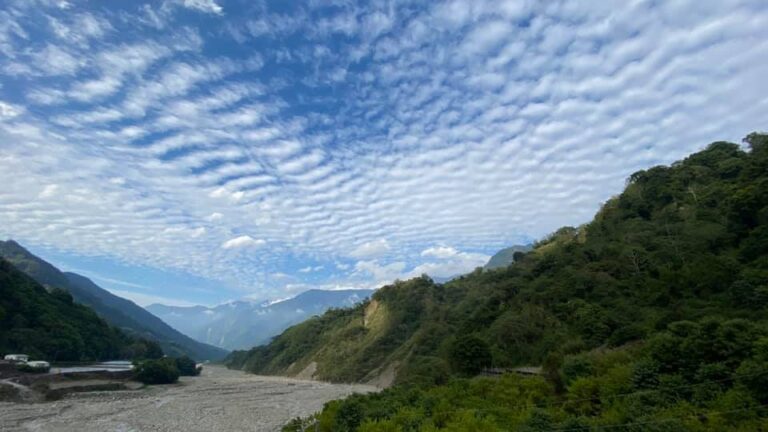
[
  {"x": 162, "y": 371},
  {"x": 186, "y": 366},
  {"x": 154, "y": 351},
  {"x": 469, "y": 355}
]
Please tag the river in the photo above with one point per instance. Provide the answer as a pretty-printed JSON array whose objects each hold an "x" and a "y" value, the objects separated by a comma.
[{"x": 218, "y": 400}]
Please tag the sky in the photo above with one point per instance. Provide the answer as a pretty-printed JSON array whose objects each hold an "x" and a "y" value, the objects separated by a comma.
[{"x": 198, "y": 151}]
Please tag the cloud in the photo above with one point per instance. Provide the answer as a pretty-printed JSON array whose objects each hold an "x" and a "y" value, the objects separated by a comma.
[
  {"x": 381, "y": 273},
  {"x": 244, "y": 241},
  {"x": 310, "y": 269},
  {"x": 457, "y": 129},
  {"x": 215, "y": 216},
  {"x": 371, "y": 249},
  {"x": 441, "y": 252},
  {"x": 207, "y": 6},
  {"x": 8, "y": 110},
  {"x": 448, "y": 265},
  {"x": 49, "y": 191},
  {"x": 144, "y": 300}
]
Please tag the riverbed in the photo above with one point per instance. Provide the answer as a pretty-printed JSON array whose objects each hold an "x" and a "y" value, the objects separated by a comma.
[{"x": 218, "y": 400}]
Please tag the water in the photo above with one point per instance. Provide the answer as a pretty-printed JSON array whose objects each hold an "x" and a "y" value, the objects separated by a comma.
[{"x": 110, "y": 366}]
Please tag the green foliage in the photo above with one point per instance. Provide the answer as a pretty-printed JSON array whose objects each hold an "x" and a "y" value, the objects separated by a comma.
[
  {"x": 117, "y": 311},
  {"x": 186, "y": 366},
  {"x": 468, "y": 355},
  {"x": 49, "y": 325},
  {"x": 654, "y": 310},
  {"x": 160, "y": 371}
]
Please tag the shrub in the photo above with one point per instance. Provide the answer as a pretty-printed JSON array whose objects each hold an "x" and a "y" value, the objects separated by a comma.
[
  {"x": 23, "y": 367},
  {"x": 162, "y": 371},
  {"x": 576, "y": 367},
  {"x": 187, "y": 366}
]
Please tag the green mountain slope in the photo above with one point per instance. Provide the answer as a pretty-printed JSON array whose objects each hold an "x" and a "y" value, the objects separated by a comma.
[
  {"x": 49, "y": 325},
  {"x": 117, "y": 311},
  {"x": 662, "y": 298}
]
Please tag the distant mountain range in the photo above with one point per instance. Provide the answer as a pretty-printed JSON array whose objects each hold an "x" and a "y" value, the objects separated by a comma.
[
  {"x": 117, "y": 311},
  {"x": 505, "y": 257},
  {"x": 244, "y": 324}
]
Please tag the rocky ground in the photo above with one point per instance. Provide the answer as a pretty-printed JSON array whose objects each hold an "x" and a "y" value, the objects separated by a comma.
[{"x": 218, "y": 400}]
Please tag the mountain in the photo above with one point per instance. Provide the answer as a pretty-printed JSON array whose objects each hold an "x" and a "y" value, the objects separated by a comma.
[
  {"x": 49, "y": 325},
  {"x": 117, "y": 311},
  {"x": 506, "y": 256},
  {"x": 655, "y": 314},
  {"x": 244, "y": 324}
]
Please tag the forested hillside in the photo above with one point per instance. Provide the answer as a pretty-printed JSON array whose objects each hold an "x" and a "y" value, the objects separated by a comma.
[
  {"x": 650, "y": 317},
  {"x": 50, "y": 325},
  {"x": 122, "y": 313}
]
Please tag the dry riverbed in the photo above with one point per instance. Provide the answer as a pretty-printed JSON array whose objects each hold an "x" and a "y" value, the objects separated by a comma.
[{"x": 218, "y": 400}]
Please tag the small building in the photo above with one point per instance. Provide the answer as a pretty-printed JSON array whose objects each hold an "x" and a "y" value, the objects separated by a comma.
[{"x": 18, "y": 358}]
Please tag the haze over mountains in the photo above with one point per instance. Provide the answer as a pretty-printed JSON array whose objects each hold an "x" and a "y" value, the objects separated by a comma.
[
  {"x": 243, "y": 324},
  {"x": 117, "y": 311}
]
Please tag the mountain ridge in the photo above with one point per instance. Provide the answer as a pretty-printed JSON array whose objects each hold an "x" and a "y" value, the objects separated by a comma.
[
  {"x": 244, "y": 324},
  {"x": 116, "y": 310},
  {"x": 48, "y": 325}
]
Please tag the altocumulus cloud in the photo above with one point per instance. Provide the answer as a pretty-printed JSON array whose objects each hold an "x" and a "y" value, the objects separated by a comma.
[
  {"x": 356, "y": 139},
  {"x": 243, "y": 241}
]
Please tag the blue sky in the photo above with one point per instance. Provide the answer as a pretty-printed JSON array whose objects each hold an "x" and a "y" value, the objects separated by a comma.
[{"x": 196, "y": 151}]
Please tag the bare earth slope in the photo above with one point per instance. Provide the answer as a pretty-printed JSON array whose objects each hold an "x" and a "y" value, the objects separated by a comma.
[{"x": 219, "y": 400}]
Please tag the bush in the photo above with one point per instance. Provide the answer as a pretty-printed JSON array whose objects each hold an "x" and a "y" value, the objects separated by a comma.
[
  {"x": 162, "y": 371},
  {"x": 187, "y": 366},
  {"x": 23, "y": 367},
  {"x": 576, "y": 367}
]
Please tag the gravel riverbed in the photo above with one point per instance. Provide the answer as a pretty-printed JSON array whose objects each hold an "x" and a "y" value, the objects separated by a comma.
[{"x": 218, "y": 400}]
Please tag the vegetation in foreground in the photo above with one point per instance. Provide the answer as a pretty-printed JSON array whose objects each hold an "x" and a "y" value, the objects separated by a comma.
[{"x": 650, "y": 317}]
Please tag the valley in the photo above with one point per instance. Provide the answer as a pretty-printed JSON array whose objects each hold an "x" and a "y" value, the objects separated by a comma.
[{"x": 218, "y": 400}]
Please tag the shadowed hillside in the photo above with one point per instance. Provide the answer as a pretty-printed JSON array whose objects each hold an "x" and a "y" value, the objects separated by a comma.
[
  {"x": 117, "y": 311},
  {"x": 49, "y": 325}
]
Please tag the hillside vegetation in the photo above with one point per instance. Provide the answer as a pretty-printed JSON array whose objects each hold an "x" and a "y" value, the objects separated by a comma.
[
  {"x": 50, "y": 325},
  {"x": 117, "y": 311},
  {"x": 650, "y": 317}
]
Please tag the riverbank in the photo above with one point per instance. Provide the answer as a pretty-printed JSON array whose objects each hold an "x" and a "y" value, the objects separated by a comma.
[{"x": 218, "y": 400}]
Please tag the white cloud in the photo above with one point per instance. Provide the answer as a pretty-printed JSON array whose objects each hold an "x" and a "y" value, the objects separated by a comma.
[
  {"x": 381, "y": 273},
  {"x": 208, "y": 6},
  {"x": 371, "y": 249},
  {"x": 8, "y": 110},
  {"x": 485, "y": 37},
  {"x": 215, "y": 216},
  {"x": 459, "y": 126},
  {"x": 144, "y": 300},
  {"x": 310, "y": 269},
  {"x": 49, "y": 191},
  {"x": 441, "y": 252},
  {"x": 244, "y": 241}
]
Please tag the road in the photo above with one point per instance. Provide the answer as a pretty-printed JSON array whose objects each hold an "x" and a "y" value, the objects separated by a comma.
[{"x": 218, "y": 400}]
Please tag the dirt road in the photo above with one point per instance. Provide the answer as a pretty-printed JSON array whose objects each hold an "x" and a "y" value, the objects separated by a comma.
[{"x": 219, "y": 400}]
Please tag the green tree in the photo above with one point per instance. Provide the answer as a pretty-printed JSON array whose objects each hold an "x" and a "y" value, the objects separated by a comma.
[
  {"x": 186, "y": 366},
  {"x": 469, "y": 355},
  {"x": 161, "y": 371}
]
